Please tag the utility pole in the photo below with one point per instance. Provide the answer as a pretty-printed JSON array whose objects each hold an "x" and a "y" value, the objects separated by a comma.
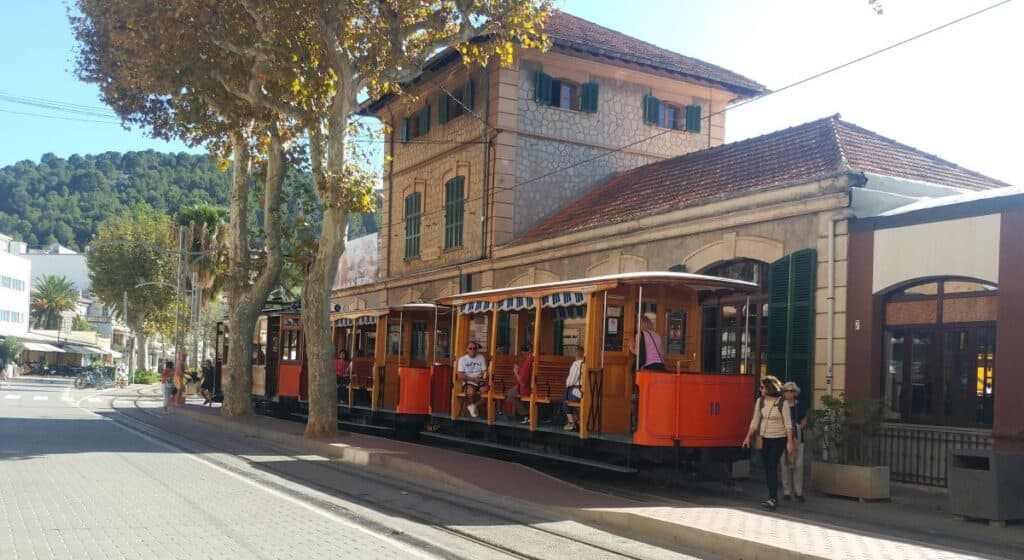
[{"x": 178, "y": 342}]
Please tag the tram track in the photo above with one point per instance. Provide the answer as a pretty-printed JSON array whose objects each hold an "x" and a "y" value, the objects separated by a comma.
[{"x": 491, "y": 515}]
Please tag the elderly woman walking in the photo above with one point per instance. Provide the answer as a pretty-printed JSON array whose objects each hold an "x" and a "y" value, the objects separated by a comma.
[
  {"x": 792, "y": 464},
  {"x": 774, "y": 428}
]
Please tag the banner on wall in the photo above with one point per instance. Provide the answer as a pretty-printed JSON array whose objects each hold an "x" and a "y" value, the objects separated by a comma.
[{"x": 359, "y": 264}]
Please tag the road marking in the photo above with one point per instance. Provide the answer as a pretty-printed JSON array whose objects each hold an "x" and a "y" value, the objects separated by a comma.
[
  {"x": 40, "y": 398},
  {"x": 12, "y": 397}
]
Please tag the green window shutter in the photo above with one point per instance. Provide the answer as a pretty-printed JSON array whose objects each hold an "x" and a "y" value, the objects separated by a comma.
[
  {"x": 791, "y": 317},
  {"x": 803, "y": 268},
  {"x": 778, "y": 316},
  {"x": 589, "y": 102},
  {"x": 652, "y": 109},
  {"x": 559, "y": 328},
  {"x": 412, "y": 225},
  {"x": 542, "y": 91},
  {"x": 467, "y": 95},
  {"x": 405, "y": 130},
  {"x": 442, "y": 108},
  {"x": 693, "y": 118},
  {"x": 454, "y": 209},
  {"x": 425, "y": 119}
]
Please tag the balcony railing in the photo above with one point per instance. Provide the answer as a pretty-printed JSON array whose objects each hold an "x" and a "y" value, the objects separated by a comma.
[{"x": 918, "y": 454}]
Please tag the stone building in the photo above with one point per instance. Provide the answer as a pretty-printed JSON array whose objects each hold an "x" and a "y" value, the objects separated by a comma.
[{"x": 607, "y": 155}]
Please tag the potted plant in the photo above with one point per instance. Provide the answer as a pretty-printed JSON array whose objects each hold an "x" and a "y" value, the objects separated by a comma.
[{"x": 843, "y": 432}]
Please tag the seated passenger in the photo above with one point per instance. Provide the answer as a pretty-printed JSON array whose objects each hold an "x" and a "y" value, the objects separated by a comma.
[
  {"x": 471, "y": 370},
  {"x": 519, "y": 394},
  {"x": 573, "y": 390},
  {"x": 342, "y": 365}
]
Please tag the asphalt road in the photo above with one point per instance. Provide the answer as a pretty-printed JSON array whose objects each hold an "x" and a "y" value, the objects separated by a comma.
[{"x": 88, "y": 474}]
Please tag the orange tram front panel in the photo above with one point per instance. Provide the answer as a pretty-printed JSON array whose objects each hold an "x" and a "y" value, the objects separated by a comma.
[
  {"x": 414, "y": 390},
  {"x": 289, "y": 381},
  {"x": 697, "y": 409}
]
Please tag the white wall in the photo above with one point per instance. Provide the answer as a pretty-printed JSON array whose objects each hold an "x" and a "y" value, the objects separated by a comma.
[
  {"x": 72, "y": 267},
  {"x": 14, "y": 301},
  {"x": 965, "y": 247}
]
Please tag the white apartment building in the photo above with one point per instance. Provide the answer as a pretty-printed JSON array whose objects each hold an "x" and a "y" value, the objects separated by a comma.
[{"x": 15, "y": 288}]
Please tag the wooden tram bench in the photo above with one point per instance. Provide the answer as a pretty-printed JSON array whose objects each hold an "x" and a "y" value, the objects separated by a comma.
[{"x": 551, "y": 381}]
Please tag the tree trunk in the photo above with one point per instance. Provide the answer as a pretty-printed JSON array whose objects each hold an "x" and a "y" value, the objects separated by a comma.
[
  {"x": 316, "y": 290},
  {"x": 316, "y": 322},
  {"x": 140, "y": 349},
  {"x": 246, "y": 299}
]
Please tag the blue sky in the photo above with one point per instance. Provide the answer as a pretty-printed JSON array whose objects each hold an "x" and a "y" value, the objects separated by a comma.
[{"x": 952, "y": 94}]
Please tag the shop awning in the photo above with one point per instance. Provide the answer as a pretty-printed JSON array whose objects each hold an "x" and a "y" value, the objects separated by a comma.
[
  {"x": 114, "y": 354},
  {"x": 40, "y": 347},
  {"x": 84, "y": 350}
]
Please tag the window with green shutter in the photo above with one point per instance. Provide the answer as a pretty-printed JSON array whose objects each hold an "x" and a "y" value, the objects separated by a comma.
[
  {"x": 454, "y": 210},
  {"x": 652, "y": 109},
  {"x": 542, "y": 88},
  {"x": 424, "y": 124},
  {"x": 693, "y": 118},
  {"x": 413, "y": 213},
  {"x": 455, "y": 104},
  {"x": 791, "y": 321},
  {"x": 588, "y": 103},
  {"x": 405, "y": 130},
  {"x": 416, "y": 125}
]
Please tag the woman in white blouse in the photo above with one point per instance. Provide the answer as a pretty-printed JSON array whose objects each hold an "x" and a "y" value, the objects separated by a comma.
[{"x": 774, "y": 426}]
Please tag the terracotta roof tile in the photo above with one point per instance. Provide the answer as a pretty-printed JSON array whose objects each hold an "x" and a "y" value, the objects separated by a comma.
[
  {"x": 801, "y": 153},
  {"x": 570, "y": 32}
]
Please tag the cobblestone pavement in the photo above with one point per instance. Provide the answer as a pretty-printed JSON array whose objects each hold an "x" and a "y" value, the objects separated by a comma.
[{"x": 85, "y": 474}]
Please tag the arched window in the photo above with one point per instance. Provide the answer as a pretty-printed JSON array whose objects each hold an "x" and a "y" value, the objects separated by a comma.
[
  {"x": 939, "y": 352},
  {"x": 732, "y": 341}
]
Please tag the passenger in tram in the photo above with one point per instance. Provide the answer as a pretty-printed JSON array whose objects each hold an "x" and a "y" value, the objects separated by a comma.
[
  {"x": 792, "y": 465},
  {"x": 342, "y": 365},
  {"x": 774, "y": 427},
  {"x": 573, "y": 390},
  {"x": 651, "y": 351},
  {"x": 519, "y": 394},
  {"x": 471, "y": 370}
]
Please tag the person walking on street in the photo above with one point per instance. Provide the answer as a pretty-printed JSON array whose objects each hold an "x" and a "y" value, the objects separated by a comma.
[
  {"x": 774, "y": 428},
  {"x": 208, "y": 383},
  {"x": 167, "y": 382},
  {"x": 792, "y": 464},
  {"x": 342, "y": 365}
]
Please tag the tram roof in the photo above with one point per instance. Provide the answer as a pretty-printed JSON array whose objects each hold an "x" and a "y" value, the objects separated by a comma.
[
  {"x": 381, "y": 311},
  {"x": 699, "y": 282}
]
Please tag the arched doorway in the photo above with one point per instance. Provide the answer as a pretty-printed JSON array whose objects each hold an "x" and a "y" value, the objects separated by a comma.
[
  {"x": 939, "y": 352},
  {"x": 734, "y": 342}
]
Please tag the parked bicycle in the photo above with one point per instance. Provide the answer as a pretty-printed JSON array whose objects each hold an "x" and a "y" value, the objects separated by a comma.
[{"x": 94, "y": 378}]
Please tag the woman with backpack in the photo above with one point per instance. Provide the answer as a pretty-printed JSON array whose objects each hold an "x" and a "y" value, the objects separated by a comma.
[
  {"x": 167, "y": 382},
  {"x": 773, "y": 425}
]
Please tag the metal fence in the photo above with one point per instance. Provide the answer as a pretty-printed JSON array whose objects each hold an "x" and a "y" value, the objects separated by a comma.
[{"x": 918, "y": 454}]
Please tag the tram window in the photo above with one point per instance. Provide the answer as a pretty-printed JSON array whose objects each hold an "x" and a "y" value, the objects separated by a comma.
[
  {"x": 369, "y": 343},
  {"x": 572, "y": 334},
  {"x": 419, "y": 340},
  {"x": 290, "y": 346},
  {"x": 613, "y": 328},
  {"x": 442, "y": 343},
  {"x": 395, "y": 340},
  {"x": 478, "y": 330}
]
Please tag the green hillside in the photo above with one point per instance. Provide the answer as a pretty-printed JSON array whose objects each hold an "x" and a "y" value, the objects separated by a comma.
[{"x": 64, "y": 200}]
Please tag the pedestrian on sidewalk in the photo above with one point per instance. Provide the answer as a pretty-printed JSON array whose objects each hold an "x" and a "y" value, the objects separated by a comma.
[
  {"x": 519, "y": 394},
  {"x": 774, "y": 428},
  {"x": 208, "y": 382},
  {"x": 167, "y": 382},
  {"x": 471, "y": 371},
  {"x": 792, "y": 464}
]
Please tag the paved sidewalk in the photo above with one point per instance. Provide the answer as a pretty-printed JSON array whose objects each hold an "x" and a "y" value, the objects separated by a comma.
[{"x": 723, "y": 530}]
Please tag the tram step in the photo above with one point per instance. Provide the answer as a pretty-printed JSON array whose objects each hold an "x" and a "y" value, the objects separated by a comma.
[
  {"x": 358, "y": 426},
  {"x": 530, "y": 452}
]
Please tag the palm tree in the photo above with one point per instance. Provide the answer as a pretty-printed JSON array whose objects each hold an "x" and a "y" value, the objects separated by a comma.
[
  {"x": 52, "y": 296},
  {"x": 205, "y": 235}
]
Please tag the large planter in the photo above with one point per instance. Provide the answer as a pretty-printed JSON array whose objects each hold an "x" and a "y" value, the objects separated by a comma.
[{"x": 865, "y": 483}]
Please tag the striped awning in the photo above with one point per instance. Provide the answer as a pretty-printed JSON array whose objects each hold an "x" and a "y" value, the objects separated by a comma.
[
  {"x": 344, "y": 322},
  {"x": 476, "y": 307},
  {"x": 515, "y": 303},
  {"x": 563, "y": 299},
  {"x": 367, "y": 320}
]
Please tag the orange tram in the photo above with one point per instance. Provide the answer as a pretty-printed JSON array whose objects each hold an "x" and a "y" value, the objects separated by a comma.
[{"x": 402, "y": 377}]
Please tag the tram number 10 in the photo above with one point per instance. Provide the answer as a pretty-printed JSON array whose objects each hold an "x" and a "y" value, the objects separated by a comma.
[{"x": 715, "y": 407}]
